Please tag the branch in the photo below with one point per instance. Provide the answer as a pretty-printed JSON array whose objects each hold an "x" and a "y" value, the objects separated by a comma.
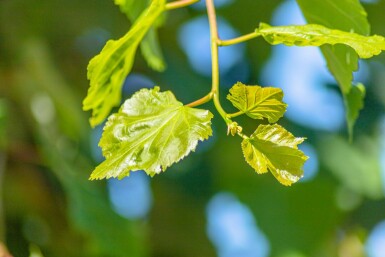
[{"x": 214, "y": 59}]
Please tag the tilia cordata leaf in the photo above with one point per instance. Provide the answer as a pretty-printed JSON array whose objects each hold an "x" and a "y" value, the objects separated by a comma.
[
  {"x": 151, "y": 131},
  {"x": 150, "y": 46},
  {"x": 342, "y": 61},
  {"x": 108, "y": 70},
  {"x": 317, "y": 35},
  {"x": 273, "y": 148},
  {"x": 258, "y": 102}
]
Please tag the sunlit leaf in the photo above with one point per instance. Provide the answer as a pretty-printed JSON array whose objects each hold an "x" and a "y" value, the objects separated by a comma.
[
  {"x": 108, "y": 70},
  {"x": 317, "y": 35},
  {"x": 150, "y": 45},
  {"x": 346, "y": 15},
  {"x": 273, "y": 148},
  {"x": 258, "y": 102},
  {"x": 151, "y": 131},
  {"x": 354, "y": 102}
]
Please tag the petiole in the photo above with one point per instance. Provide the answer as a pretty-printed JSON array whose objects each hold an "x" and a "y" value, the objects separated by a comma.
[
  {"x": 180, "y": 4},
  {"x": 238, "y": 40}
]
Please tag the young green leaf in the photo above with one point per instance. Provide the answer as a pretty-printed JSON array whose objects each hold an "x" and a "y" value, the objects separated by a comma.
[
  {"x": 151, "y": 131},
  {"x": 108, "y": 70},
  {"x": 152, "y": 52},
  {"x": 273, "y": 148},
  {"x": 317, "y": 35},
  {"x": 345, "y": 15},
  {"x": 354, "y": 102},
  {"x": 258, "y": 102},
  {"x": 150, "y": 46},
  {"x": 342, "y": 61},
  {"x": 132, "y": 8}
]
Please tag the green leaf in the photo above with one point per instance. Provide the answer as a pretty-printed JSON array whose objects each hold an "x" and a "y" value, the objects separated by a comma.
[
  {"x": 317, "y": 35},
  {"x": 108, "y": 70},
  {"x": 132, "y": 8},
  {"x": 152, "y": 52},
  {"x": 356, "y": 166},
  {"x": 273, "y": 148},
  {"x": 342, "y": 61},
  {"x": 258, "y": 102},
  {"x": 151, "y": 131},
  {"x": 346, "y": 15},
  {"x": 150, "y": 46},
  {"x": 354, "y": 102}
]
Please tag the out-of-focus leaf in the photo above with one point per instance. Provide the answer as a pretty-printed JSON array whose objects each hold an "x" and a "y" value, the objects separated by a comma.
[
  {"x": 354, "y": 102},
  {"x": 151, "y": 131},
  {"x": 317, "y": 35},
  {"x": 3, "y": 122},
  {"x": 273, "y": 148},
  {"x": 356, "y": 166},
  {"x": 152, "y": 52},
  {"x": 150, "y": 45},
  {"x": 258, "y": 102},
  {"x": 86, "y": 203},
  {"x": 108, "y": 70}
]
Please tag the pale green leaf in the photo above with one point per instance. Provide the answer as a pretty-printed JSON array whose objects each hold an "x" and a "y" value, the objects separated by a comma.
[
  {"x": 342, "y": 61},
  {"x": 317, "y": 35},
  {"x": 354, "y": 102},
  {"x": 345, "y": 15},
  {"x": 273, "y": 148},
  {"x": 132, "y": 8},
  {"x": 151, "y": 131},
  {"x": 258, "y": 102},
  {"x": 108, "y": 70},
  {"x": 356, "y": 166},
  {"x": 152, "y": 52},
  {"x": 150, "y": 46}
]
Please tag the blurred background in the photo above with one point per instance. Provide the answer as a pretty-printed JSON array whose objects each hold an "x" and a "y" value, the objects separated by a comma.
[{"x": 211, "y": 203}]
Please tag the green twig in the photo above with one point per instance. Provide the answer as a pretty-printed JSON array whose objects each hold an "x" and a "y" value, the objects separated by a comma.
[
  {"x": 233, "y": 115},
  {"x": 238, "y": 40},
  {"x": 205, "y": 99},
  {"x": 214, "y": 59},
  {"x": 180, "y": 4}
]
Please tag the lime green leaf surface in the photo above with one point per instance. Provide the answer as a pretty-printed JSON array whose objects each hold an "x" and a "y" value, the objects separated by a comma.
[
  {"x": 273, "y": 148},
  {"x": 150, "y": 46},
  {"x": 342, "y": 61},
  {"x": 151, "y": 131},
  {"x": 108, "y": 70},
  {"x": 317, "y": 35},
  {"x": 258, "y": 102},
  {"x": 354, "y": 102},
  {"x": 346, "y": 15}
]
